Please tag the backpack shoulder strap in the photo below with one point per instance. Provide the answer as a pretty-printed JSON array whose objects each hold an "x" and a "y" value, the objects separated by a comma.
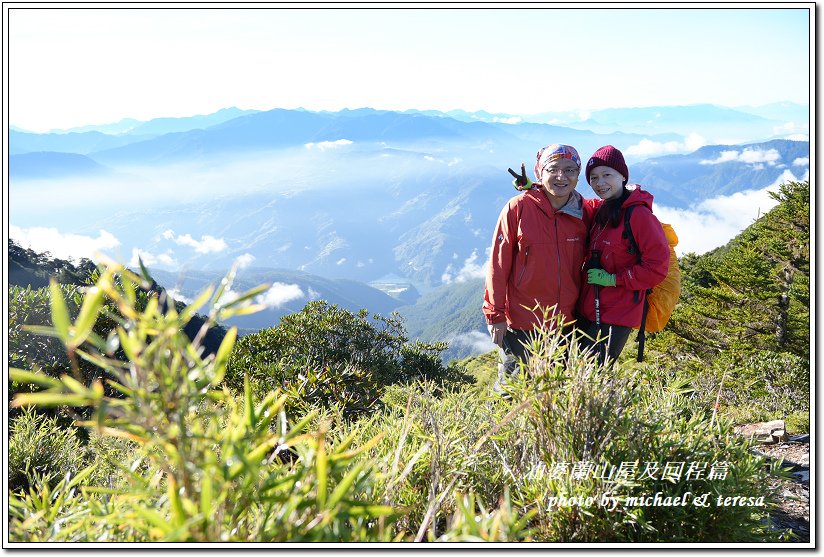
[
  {"x": 628, "y": 232},
  {"x": 634, "y": 249}
]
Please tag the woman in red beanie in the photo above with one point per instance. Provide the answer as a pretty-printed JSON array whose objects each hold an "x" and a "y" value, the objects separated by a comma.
[{"x": 612, "y": 297}]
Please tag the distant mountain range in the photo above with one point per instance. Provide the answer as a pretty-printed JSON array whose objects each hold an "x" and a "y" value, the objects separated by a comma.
[
  {"x": 290, "y": 291},
  {"x": 404, "y": 202},
  {"x": 711, "y": 171}
]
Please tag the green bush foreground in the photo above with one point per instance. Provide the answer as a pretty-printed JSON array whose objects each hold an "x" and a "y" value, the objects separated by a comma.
[{"x": 178, "y": 454}]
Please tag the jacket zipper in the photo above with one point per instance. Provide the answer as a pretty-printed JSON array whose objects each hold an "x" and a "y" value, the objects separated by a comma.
[
  {"x": 523, "y": 269},
  {"x": 558, "y": 253}
]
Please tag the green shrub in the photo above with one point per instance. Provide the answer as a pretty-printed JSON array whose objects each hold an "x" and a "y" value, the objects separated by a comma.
[
  {"x": 40, "y": 447},
  {"x": 324, "y": 354},
  {"x": 566, "y": 430},
  {"x": 30, "y": 311},
  {"x": 209, "y": 466},
  {"x": 599, "y": 419},
  {"x": 445, "y": 453},
  {"x": 28, "y": 350}
]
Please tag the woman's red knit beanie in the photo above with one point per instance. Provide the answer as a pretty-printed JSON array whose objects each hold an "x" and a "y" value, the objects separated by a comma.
[{"x": 611, "y": 157}]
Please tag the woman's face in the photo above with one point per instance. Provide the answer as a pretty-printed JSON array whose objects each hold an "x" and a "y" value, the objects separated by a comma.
[
  {"x": 606, "y": 182},
  {"x": 559, "y": 178}
]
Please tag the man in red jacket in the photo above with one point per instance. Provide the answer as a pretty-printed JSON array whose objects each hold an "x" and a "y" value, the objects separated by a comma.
[{"x": 538, "y": 250}]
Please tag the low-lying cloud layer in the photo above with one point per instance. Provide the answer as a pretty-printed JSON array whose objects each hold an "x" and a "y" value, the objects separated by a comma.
[
  {"x": 470, "y": 270},
  {"x": 714, "y": 222},
  {"x": 755, "y": 157},
  {"x": 279, "y": 294},
  {"x": 648, "y": 148},
  {"x": 476, "y": 341},
  {"x": 206, "y": 244},
  {"x": 63, "y": 246}
]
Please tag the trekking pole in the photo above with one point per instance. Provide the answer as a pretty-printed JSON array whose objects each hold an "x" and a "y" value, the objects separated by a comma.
[
  {"x": 521, "y": 180},
  {"x": 595, "y": 263}
]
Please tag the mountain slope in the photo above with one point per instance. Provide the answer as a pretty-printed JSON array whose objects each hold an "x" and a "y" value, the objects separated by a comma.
[
  {"x": 81, "y": 143},
  {"x": 289, "y": 292},
  {"x": 41, "y": 165}
]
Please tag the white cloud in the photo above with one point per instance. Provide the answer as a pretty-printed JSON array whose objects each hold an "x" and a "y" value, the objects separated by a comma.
[
  {"x": 791, "y": 129},
  {"x": 63, "y": 246},
  {"x": 150, "y": 259},
  {"x": 748, "y": 156},
  {"x": 510, "y": 120},
  {"x": 206, "y": 244},
  {"x": 341, "y": 261},
  {"x": 451, "y": 162},
  {"x": 725, "y": 156},
  {"x": 245, "y": 260},
  {"x": 714, "y": 222},
  {"x": 470, "y": 270},
  {"x": 178, "y": 296},
  {"x": 476, "y": 341},
  {"x": 648, "y": 148},
  {"x": 802, "y": 161},
  {"x": 324, "y": 145},
  {"x": 280, "y": 293}
]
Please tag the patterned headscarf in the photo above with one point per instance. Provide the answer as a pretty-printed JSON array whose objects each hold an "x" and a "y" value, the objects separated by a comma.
[{"x": 552, "y": 153}]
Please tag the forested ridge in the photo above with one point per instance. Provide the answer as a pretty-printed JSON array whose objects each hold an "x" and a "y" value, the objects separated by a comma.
[
  {"x": 744, "y": 314},
  {"x": 332, "y": 426}
]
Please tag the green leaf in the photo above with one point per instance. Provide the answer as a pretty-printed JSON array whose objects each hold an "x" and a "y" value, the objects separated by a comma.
[
  {"x": 88, "y": 315},
  {"x": 74, "y": 385},
  {"x": 120, "y": 388},
  {"x": 225, "y": 283},
  {"x": 144, "y": 272},
  {"x": 298, "y": 427},
  {"x": 322, "y": 471},
  {"x": 30, "y": 377},
  {"x": 345, "y": 484},
  {"x": 59, "y": 311},
  {"x": 255, "y": 455},
  {"x": 130, "y": 344},
  {"x": 226, "y": 313},
  {"x": 154, "y": 518},
  {"x": 223, "y": 353},
  {"x": 372, "y": 511},
  {"x": 178, "y": 513},
  {"x": 206, "y": 494},
  {"x": 246, "y": 296},
  {"x": 49, "y": 399},
  {"x": 82, "y": 475},
  {"x": 190, "y": 310},
  {"x": 268, "y": 410},
  {"x": 248, "y": 403},
  {"x": 42, "y": 330},
  {"x": 354, "y": 452}
]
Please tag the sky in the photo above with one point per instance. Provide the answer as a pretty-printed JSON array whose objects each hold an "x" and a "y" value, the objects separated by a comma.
[{"x": 70, "y": 66}]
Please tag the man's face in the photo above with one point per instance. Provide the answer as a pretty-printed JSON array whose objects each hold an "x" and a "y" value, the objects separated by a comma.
[{"x": 559, "y": 178}]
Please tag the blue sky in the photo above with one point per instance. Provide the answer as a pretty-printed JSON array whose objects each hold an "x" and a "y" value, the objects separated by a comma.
[{"x": 70, "y": 67}]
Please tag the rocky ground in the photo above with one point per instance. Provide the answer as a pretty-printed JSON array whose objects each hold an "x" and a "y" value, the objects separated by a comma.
[{"x": 794, "y": 494}]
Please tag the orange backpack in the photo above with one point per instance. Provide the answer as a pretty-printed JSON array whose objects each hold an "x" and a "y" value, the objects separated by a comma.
[
  {"x": 660, "y": 301},
  {"x": 664, "y": 297}
]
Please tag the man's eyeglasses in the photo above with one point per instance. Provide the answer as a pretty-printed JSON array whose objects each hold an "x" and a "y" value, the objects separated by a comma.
[{"x": 568, "y": 172}]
